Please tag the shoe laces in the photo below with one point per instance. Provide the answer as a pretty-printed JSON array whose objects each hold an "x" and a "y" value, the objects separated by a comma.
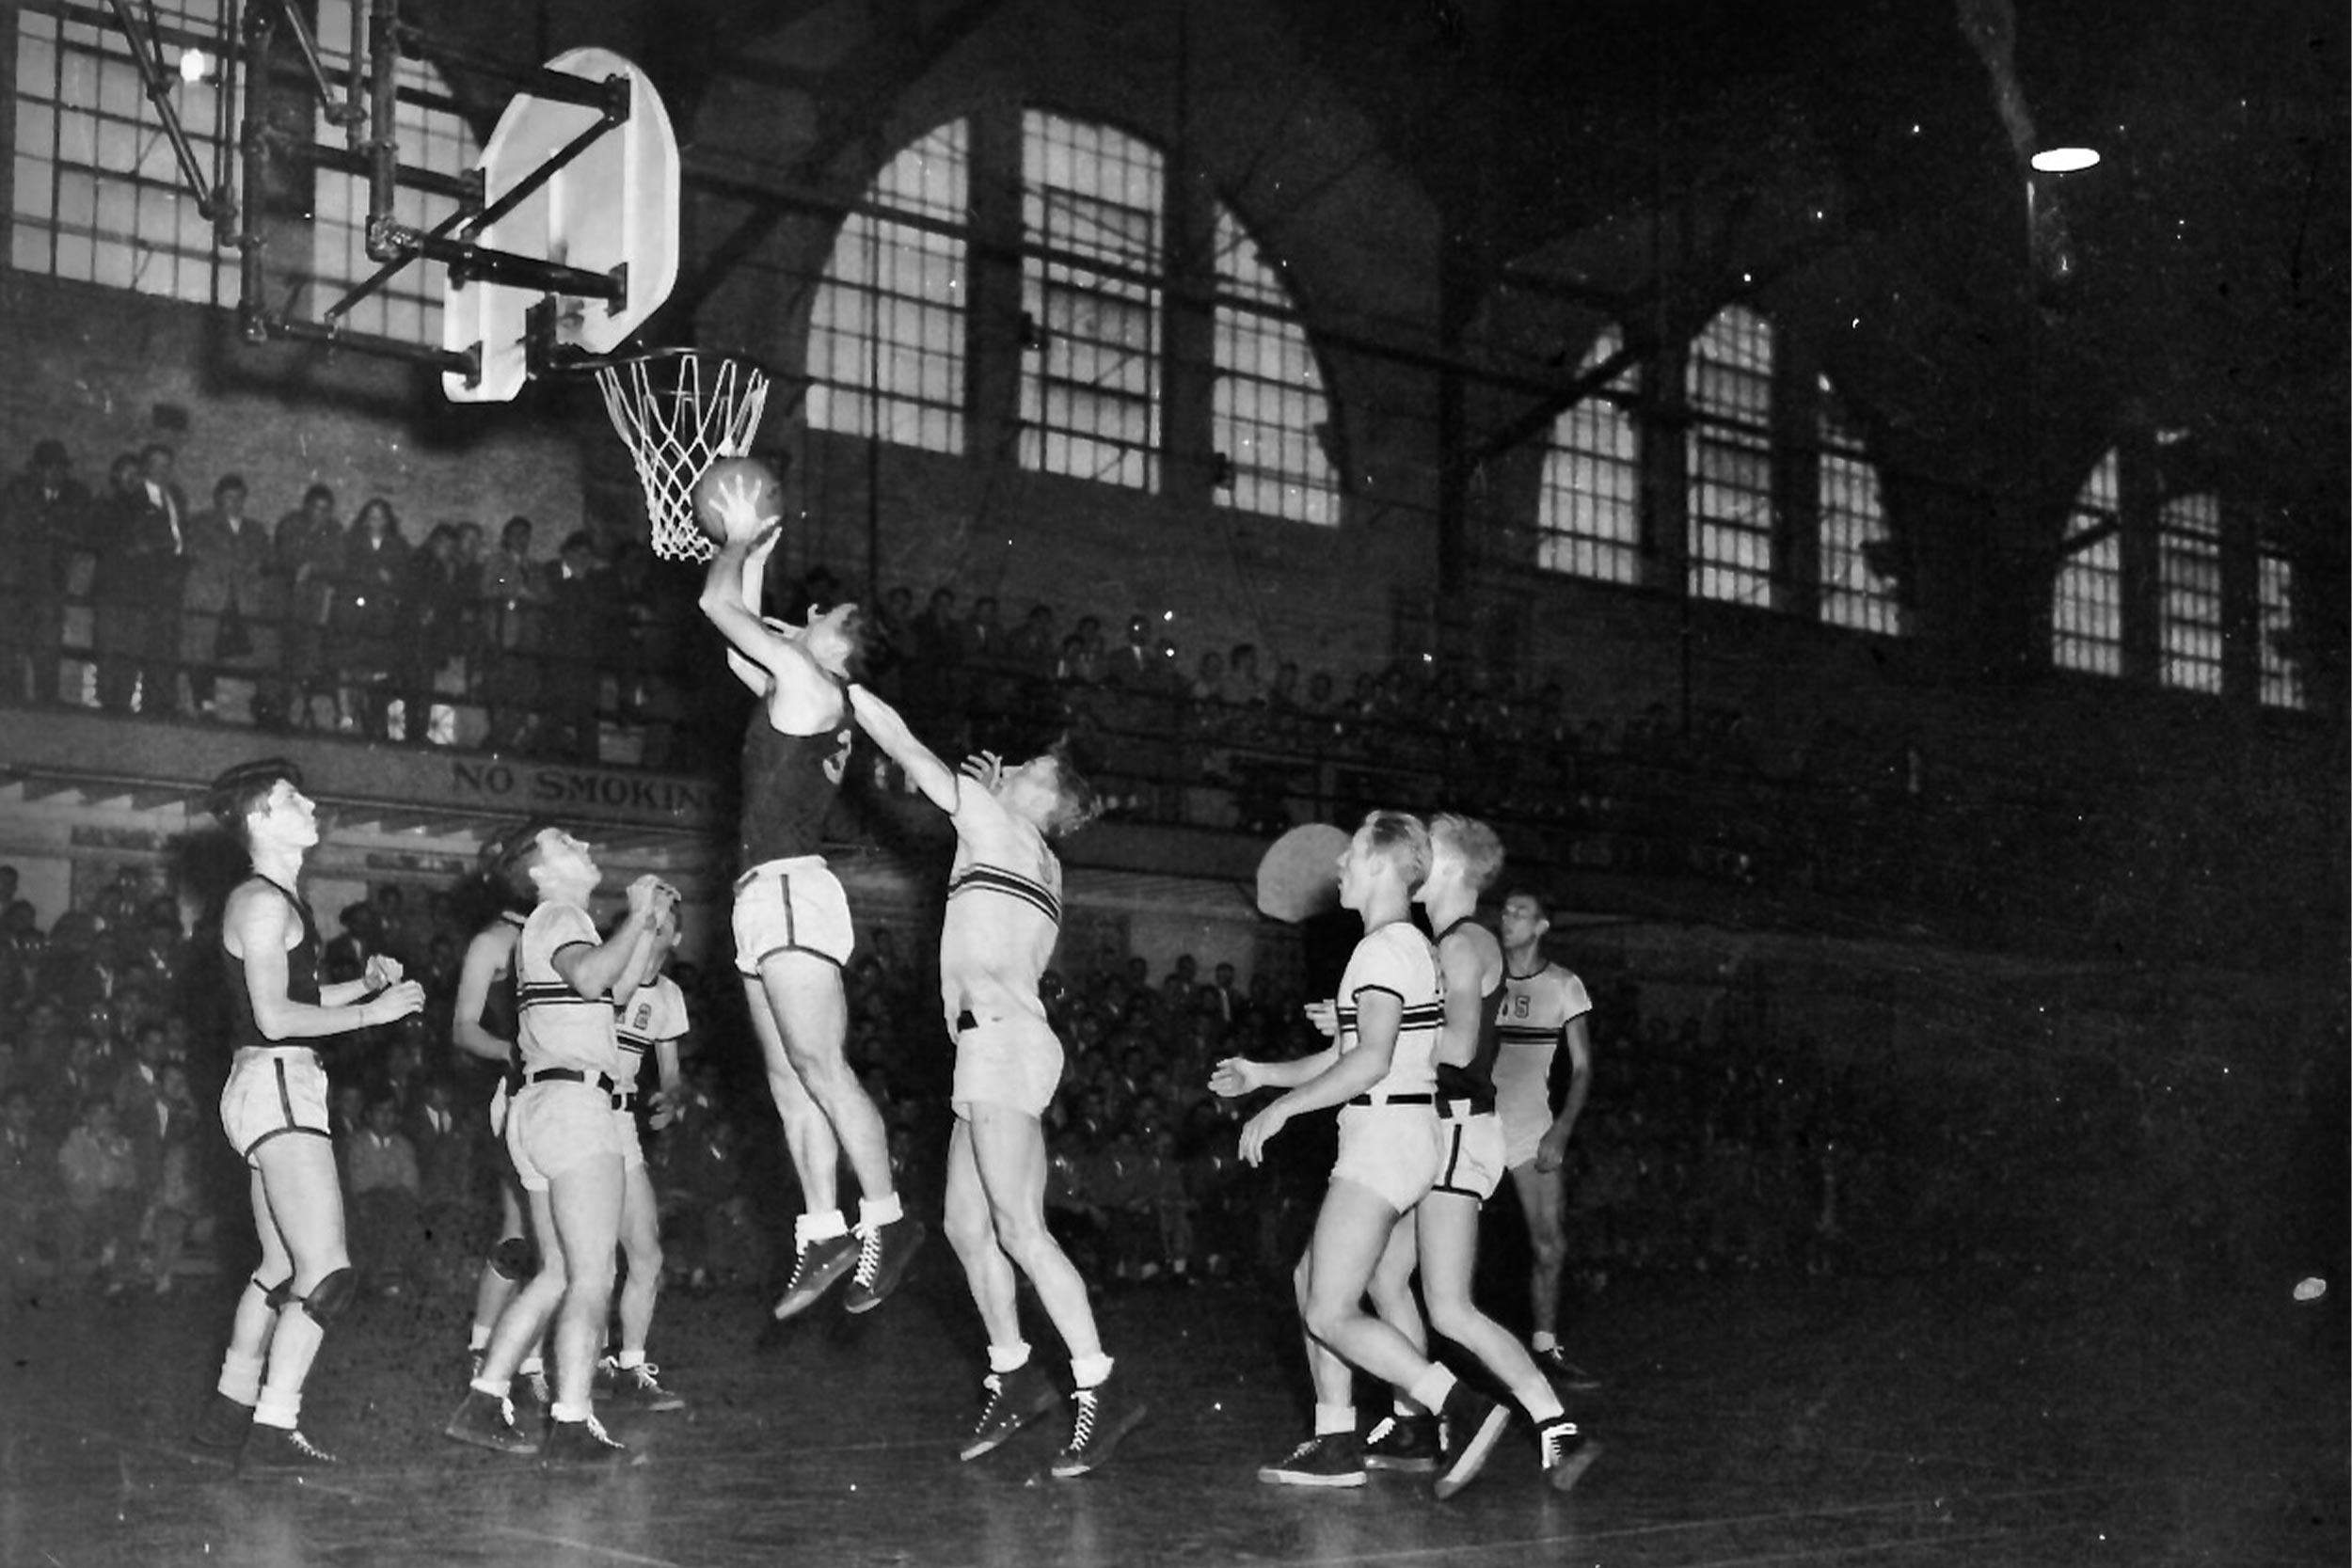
[
  {"x": 595, "y": 1430},
  {"x": 506, "y": 1410},
  {"x": 645, "y": 1372},
  {"x": 1082, "y": 1431},
  {"x": 870, "y": 1251},
  {"x": 1556, "y": 1435},
  {"x": 1379, "y": 1433},
  {"x": 307, "y": 1448}
]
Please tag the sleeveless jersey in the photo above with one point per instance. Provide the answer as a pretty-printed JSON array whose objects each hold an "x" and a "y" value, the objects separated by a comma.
[
  {"x": 1397, "y": 959},
  {"x": 655, "y": 1011},
  {"x": 302, "y": 977},
  {"x": 558, "y": 1027},
  {"x": 1474, "y": 1080},
  {"x": 1534, "y": 1018},
  {"x": 1002, "y": 920},
  {"x": 789, "y": 782}
]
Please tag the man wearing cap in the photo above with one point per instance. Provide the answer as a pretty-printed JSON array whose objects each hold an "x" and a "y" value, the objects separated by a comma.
[{"x": 273, "y": 1109}]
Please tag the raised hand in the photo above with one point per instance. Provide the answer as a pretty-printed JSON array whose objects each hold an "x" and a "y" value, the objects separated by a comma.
[{"x": 383, "y": 970}]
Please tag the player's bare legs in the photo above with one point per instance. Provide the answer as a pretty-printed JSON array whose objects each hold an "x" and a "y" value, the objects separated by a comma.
[
  {"x": 1542, "y": 1201},
  {"x": 301, "y": 1206},
  {"x": 802, "y": 1018},
  {"x": 641, "y": 1248},
  {"x": 1006, "y": 1150},
  {"x": 584, "y": 1202},
  {"x": 1446, "y": 1228}
]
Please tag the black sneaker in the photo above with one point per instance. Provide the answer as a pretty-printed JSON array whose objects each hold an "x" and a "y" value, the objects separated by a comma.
[
  {"x": 1333, "y": 1459},
  {"x": 222, "y": 1423},
  {"x": 883, "y": 1254},
  {"x": 1014, "y": 1400},
  {"x": 1567, "y": 1452},
  {"x": 1472, "y": 1424},
  {"x": 1564, "y": 1372},
  {"x": 487, "y": 1421},
  {"x": 280, "y": 1451},
  {"x": 813, "y": 1272},
  {"x": 1103, "y": 1418},
  {"x": 637, "y": 1387},
  {"x": 583, "y": 1442},
  {"x": 1407, "y": 1444}
]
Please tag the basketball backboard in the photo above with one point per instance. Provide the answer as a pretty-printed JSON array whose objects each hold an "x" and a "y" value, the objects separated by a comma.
[{"x": 587, "y": 184}]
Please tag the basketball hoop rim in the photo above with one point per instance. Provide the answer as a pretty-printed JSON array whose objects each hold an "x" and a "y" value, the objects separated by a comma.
[{"x": 595, "y": 364}]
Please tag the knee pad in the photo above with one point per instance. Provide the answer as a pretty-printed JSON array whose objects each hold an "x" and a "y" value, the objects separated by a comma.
[
  {"x": 511, "y": 1259},
  {"x": 276, "y": 1295},
  {"x": 329, "y": 1296}
]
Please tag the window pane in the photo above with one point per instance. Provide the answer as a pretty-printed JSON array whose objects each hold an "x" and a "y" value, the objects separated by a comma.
[
  {"x": 1589, "y": 510},
  {"x": 1853, "y": 530},
  {"x": 1728, "y": 382},
  {"x": 887, "y": 329},
  {"x": 2087, "y": 612}
]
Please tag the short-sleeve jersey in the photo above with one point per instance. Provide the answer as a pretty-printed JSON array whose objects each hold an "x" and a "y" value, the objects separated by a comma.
[
  {"x": 557, "y": 1028},
  {"x": 789, "y": 782},
  {"x": 1004, "y": 911},
  {"x": 1531, "y": 1020},
  {"x": 1397, "y": 959},
  {"x": 302, "y": 975},
  {"x": 655, "y": 1011}
]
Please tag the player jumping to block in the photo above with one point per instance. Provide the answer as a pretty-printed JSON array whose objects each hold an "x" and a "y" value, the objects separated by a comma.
[
  {"x": 1442, "y": 1240},
  {"x": 274, "y": 1110},
  {"x": 1003, "y": 915},
  {"x": 1380, "y": 1072},
  {"x": 792, "y": 933}
]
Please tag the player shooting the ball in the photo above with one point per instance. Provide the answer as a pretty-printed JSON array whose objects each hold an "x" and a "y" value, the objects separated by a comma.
[{"x": 792, "y": 933}]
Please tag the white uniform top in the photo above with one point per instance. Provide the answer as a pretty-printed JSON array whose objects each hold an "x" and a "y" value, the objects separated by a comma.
[
  {"x": 655, "y": 1012},
  {"x": 1532, "y": 1019},
  {"x": 1397, "y": 959},
  {"x": 1004, "y": 913},
  {"x": 556, "y": 1026}
]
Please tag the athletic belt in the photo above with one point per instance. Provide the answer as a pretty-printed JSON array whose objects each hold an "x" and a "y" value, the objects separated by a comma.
[
  {"x": 1462, "y": 1109},
  {"x": 1395, "y": 1099},
  {"x": 624, "y": 1100},
  {"x": 573, "y": 1075}
]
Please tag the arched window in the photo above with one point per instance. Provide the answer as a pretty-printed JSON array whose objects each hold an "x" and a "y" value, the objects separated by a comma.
[
  {"x": 1853, "y": 533},
  {"x": 1728, "y": 383},
  {"x": 432, "y": 136},
  {"x": 1589, "y": 512},
  {"x": 892, "y": 349},
  {"x": 98, "y": 194},
  {"x": 2087, "y": 617},
  {"x": 886, "y": 334},
  {"x": 1271, "y": 413}
]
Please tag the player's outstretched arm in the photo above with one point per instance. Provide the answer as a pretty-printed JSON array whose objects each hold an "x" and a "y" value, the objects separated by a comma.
[
  {"x": 924, "y": 770},
  {"x": 254, "y": 928}
]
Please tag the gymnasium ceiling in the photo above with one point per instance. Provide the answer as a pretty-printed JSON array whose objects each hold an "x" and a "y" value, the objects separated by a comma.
[{"x": 2205, "y": 280}]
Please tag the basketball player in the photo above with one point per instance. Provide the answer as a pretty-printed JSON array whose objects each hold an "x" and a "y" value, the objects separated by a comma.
[
  {"x": 482, "y": 1024},
  {"x": 1003, "y": 915},
  {"x": 561, "y": 1133},
  {"x": 1380, "y": 1072},
  {"x": 1465, "y": 856},
  {"x": 1544, "y": 1008},
  {"x": 792, "y": 933},
  {"x": 652, "y": 1020},
  {"x": 273, "y": 1109}
]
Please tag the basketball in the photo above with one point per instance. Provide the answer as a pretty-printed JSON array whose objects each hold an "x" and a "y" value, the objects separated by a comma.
[{"x": 749, "y": 473}]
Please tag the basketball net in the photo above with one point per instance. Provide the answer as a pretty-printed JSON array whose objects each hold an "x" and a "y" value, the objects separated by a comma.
[{"x": 678, "y": 412}]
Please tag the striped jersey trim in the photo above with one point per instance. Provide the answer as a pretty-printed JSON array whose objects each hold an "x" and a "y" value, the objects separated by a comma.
[
  {"x": 1521, "y": 1034},
  {"x": 996, "y": 878}
]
